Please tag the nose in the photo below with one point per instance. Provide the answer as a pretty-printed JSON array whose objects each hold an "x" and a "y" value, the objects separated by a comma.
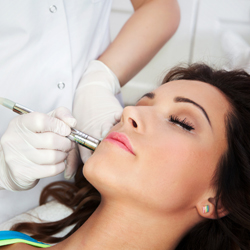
[{"x": 132, "y": 117}]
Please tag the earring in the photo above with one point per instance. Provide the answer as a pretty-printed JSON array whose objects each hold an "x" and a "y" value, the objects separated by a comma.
[{"x": 205, "y": 209}]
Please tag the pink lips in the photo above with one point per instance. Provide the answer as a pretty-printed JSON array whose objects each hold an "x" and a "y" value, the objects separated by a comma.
[{"x": 120, "y": 140}]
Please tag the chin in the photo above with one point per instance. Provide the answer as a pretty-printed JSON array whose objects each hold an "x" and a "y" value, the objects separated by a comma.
[
  {"x": 89, "y": 169},
  {"x": 95, "y": 170},
  {"x": 101, "y": 172}
]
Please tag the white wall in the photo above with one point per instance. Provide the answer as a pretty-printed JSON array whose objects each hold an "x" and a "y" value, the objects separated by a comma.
[
  {"x": 199, "y": 37},
  {"x": 215, "y": 19}
]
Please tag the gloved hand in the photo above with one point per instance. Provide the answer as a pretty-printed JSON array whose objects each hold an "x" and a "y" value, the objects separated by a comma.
[
  {"x": 34, "y": 146},
  {"x": 96, "y": 108}
]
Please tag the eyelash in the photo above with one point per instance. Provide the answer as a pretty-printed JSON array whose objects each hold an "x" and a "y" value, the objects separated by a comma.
[{"x": 183, "y": 123}]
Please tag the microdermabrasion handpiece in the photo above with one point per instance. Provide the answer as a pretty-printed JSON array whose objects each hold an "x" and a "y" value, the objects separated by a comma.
[{"x": 75, "y": 135}]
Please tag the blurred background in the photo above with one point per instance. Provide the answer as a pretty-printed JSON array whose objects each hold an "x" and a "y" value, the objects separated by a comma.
[{"x": 216, "y": 32}]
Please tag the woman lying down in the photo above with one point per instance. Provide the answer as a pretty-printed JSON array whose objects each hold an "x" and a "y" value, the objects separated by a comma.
[{"x": 174, "y": 173}]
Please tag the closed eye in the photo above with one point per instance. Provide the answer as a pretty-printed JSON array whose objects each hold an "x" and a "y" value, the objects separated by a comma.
[{"x": 183, "y": 123}]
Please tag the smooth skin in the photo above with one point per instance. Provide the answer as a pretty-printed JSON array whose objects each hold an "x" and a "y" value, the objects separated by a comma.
[{"x": 151, "y": 198}]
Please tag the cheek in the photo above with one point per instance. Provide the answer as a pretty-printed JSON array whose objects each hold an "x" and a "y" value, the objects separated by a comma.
[{"x": 174, "y": 174}]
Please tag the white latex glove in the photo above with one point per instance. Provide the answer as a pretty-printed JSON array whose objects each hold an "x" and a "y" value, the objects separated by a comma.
[
  {"x": 34, "y": 146},
  {"x": 96, "y": 108}
]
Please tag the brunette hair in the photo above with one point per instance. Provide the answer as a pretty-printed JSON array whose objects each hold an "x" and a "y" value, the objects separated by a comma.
[{"x": 232, "y": 176}]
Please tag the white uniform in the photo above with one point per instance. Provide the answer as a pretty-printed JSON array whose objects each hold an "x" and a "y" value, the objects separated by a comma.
[{"x": 45, "y": 46}]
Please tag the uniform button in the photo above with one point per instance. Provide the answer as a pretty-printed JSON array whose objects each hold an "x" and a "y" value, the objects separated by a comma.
[
  {"x": 52, "y": 8},
  {"x": 61, "y": 85}
]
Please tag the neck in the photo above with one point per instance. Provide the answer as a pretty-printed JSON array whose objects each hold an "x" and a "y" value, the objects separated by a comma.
[{"x": 114, "y": 226}]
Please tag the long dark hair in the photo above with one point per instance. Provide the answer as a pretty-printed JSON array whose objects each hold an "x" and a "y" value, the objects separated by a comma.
[{"x": 232, "y": 177}]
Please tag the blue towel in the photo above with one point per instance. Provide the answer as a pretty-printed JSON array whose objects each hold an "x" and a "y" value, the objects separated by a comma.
[{"x": 11, "y": 237}]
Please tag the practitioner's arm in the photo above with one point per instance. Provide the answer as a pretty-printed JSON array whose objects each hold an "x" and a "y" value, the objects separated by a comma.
[{"x": 153, "y": 23}]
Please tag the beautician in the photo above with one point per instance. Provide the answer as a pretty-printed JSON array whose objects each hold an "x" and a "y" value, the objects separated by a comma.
[{"x": 57, "y": 53}]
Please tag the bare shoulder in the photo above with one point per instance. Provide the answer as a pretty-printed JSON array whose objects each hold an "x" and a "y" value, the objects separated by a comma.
[{"x": 18, "y": 246}]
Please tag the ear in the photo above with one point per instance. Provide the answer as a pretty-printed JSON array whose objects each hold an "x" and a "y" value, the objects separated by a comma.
[{"x": 207, "y": 209}]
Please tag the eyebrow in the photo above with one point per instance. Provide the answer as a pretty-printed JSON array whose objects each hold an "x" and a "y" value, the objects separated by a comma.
[
  {"x": 183, "y": 99},
  {"x": 150, "y": 95}
]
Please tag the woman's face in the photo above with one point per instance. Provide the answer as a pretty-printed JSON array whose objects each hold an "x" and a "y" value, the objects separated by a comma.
[{"x": 164, "y": 151}]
